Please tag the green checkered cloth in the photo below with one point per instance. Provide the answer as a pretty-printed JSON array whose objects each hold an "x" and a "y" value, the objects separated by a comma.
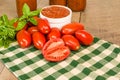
[{"x": 100, "y": 61}]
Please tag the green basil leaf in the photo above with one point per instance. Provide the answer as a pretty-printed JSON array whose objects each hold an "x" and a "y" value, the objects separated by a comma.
[
  {"x": 21, "y": 25},
  {"x": 34, "y": 13},
  {"x": 26, "y": 9},
  {"x": 33, "y": 21},
  {"x": 5, "y": 19},
  {"x": 11, "y": 22},
  {"x": 1, "y": 22},
  {"x": 23, "y": 17}
]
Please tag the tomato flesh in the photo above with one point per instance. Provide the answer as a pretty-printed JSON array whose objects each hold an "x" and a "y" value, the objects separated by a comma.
[
  {"x": 57, "y": 54},
  {"x": 55, "y": 50}
]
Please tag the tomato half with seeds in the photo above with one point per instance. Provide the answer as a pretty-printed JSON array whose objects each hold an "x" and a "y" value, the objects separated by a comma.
[
  {"x": 38, "y": 40},
  {"x": 43, "y": 26},
  {"x": 71, "y": 42},
  {"x": 24, "y": 38},
  {"x": 55, "y": 50},
  {"x": 71, "y": 28},
  {"x": 84, "y": 37},
  {"x": 54, "y": 33}
]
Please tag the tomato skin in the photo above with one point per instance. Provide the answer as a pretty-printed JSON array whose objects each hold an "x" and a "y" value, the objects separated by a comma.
[
  {"x": 38, "y": 40},
  {"x": 55, "y": 53},
  {"x": 71, "y": 28},
  {"x": 32, "y": 29},
  {"x": 24, "y": 38},
  {"x": 54, "y": 33},
  {"x": 84, "y": 37},
  {"x": 71, "y": 42},
  {"x": 43, "y": 26}
]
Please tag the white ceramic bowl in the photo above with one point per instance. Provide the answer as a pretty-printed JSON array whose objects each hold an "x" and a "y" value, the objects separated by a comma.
[{"x": 58, "y": 22}]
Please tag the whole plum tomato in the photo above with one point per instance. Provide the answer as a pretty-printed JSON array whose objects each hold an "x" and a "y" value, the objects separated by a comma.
[
  {"x": 71, "y": 28},
  {"x": 43, "y": 26},
  {"x": 24, "y": 38},
  {"x": 32, "y": 29},
  {"x": 54, "y": 33},
  {"x": 71, "y": 42},
  {"x": 84, "y": 37},
  {"x": 38, "y": 40},
  {"x": 55, "y": 53}
]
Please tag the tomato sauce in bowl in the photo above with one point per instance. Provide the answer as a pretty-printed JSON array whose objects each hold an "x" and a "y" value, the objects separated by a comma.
[
  {"x": 57, "y": 15},
  {"x": 55, "y": 12}
]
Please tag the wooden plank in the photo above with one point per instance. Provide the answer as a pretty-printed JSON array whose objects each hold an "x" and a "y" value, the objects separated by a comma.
[
  {"x": 1, "y": 67},
  {"x": 76, "y": 17},
  {"x": 102, "y": 19},
  {"x": 7, "y": 75}
]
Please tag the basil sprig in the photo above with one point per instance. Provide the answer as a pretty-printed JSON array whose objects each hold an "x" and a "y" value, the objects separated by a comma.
[{"x": 27, "y": 17}]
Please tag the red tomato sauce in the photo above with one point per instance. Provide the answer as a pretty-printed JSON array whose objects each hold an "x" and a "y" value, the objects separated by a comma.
[{"x": 55, "y": 12}]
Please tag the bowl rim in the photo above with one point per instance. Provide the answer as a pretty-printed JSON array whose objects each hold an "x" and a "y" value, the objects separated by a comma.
[{"x": 70, "y": 12}]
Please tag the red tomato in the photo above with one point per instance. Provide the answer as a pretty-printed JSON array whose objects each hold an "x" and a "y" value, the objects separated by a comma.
[
  {"x": 38, "y": 40},
  {"x": 24, "y": 38},
  {"x": 32, "y": 29},
  {"x": 54, "y": 33},
  {"x": 43, "y": 26},
  {"x": 84, "y": 37},
  {"x": 71, "y": 42},
  {"x": 71, "y": 28},
  {"x": 36, "y": 17},
  {"x": 55, "y": 53}
]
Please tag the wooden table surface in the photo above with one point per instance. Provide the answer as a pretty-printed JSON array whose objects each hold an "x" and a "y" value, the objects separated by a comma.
[{"x": 101, "y": 18}]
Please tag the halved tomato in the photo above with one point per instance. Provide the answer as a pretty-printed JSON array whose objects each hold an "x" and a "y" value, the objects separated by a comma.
[{"x": 55, "y": 50}]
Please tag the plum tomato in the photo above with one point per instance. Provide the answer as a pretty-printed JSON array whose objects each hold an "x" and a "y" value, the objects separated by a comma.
[
  {"x": 38, "y": 40},
  {"x": 24, "y": 38},
  {"x": 43, "y": 26},
  {"x": 55, "y": 50},
  {"x": 71, "y": 28},
  {"x": 84, "y": 37},
  {"x": 71, "y": 42},
  {"x": 54, "y": 33},
  {"x": 32, "y": 29}
]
